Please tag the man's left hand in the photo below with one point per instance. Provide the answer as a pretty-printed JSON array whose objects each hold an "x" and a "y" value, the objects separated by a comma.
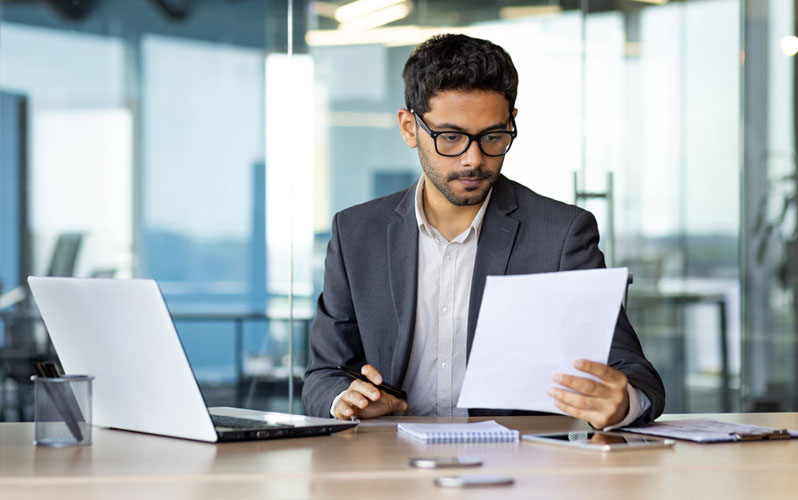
[{"x": 602, "y": 404}]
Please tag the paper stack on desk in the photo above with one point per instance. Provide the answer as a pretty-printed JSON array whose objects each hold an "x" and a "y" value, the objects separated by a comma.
[
  {"x": 706, "y": 430},
  {"x": 533, "y": 326}
]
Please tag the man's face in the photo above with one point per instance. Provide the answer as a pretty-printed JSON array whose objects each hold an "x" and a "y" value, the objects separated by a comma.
[{"x": 465, "y": 179}]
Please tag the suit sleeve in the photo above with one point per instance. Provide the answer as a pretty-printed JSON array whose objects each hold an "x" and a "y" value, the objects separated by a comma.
[
  {"x": 580, "y": 251},
  {"x": 334, "y": 338}
]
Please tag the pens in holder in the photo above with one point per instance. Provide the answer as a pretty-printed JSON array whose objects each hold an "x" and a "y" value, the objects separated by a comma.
[
  {"x": 63, "y": 399},
  {"x": 385, "y": 387}
]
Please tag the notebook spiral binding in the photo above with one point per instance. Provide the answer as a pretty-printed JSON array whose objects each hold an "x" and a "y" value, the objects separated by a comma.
[{"x": 472, "y": 437}]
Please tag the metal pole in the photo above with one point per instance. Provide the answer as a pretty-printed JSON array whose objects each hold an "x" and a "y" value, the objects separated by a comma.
[
  {"x": 610, "y": 221},
  {"x": 290, "y": 21}
]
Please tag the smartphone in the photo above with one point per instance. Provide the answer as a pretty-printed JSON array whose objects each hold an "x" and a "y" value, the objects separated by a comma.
[
  {"x": 468, "y": 480},
  {"x": 443, "y": 462},
  {"x": 600, "y": 441}
]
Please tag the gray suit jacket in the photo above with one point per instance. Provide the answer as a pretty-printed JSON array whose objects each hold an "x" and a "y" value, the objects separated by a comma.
[{"x": 366, "y": 312}]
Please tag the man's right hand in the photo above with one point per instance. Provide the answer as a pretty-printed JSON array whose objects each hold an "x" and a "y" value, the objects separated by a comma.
[{"x": 366, "y": 400}]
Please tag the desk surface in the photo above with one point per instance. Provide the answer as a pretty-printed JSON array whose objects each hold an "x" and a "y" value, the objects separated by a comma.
[{"x": 371, "y": 462}]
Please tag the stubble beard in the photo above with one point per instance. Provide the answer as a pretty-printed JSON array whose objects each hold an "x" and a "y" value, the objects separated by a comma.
[{"x": 441, "y": 181}]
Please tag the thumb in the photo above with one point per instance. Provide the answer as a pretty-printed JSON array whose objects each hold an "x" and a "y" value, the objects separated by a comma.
[{"x": 398, "y": 404}]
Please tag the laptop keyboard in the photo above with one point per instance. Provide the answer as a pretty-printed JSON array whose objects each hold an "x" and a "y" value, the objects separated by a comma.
[{"x": 244, "y": 423}]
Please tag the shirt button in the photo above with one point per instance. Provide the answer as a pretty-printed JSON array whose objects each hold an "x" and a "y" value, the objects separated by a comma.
[
  {"x": 448, "y": 256},
  {"x": 444, "y": 365},
  {"x": 445, "y": 310}
]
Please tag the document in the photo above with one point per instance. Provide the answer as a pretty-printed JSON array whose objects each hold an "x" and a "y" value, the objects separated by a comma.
[
  {"x": 533, "y": 326},
  {"x": 706, "y": 430}
]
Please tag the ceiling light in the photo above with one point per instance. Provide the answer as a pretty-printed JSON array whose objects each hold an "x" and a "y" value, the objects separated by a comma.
[
  {"x": 528, "y": 11},
  {"x": 393, "y": 36},
  {"x": 655, "y": 2},
  {"x": 378, "y": 18},
  {"x": 323, "y": 9},
  {"x": 359, "y": 8},
  {"x": 789, "y": 45}
]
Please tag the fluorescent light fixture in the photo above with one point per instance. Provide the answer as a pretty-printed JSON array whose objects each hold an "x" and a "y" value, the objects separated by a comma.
[
  {"x": 395, "y": 36},
  {"x": 360, "y": 8},
  {"x": 528, "y": 11},
  {"x": 378, "y": 18},
  {"x": 655, "y": 2},
  {"x": 323, "y": 9},
  {"x": 789, "y": 45}
]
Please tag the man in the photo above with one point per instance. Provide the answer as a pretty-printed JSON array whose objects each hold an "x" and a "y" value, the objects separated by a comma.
[{"x": 404, "y": 274}]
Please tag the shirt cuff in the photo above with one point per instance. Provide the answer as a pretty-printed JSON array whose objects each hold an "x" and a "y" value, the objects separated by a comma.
[
  {"x": 338, "y": 398},
  {"x": 638, "y": 404}
]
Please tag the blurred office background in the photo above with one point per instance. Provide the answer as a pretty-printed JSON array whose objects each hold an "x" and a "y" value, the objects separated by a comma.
[{"x": 208, "y": 143}]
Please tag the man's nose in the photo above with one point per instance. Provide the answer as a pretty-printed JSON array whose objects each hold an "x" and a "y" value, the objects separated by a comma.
[{"x": 473, "y": 155}]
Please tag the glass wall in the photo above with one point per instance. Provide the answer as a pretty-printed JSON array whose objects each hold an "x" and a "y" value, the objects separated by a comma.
[
  {"x": 631, "y": 112},
  {"x": 770, "y": 298},
  {"x": 209, "y": 145}
]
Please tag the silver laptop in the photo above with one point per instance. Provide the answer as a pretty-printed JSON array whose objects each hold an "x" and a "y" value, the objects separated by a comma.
[{"x": 120, "y": 331}]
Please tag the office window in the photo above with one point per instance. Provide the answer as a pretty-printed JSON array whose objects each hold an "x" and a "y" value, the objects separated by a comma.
[{"x": 210, "y": 152}]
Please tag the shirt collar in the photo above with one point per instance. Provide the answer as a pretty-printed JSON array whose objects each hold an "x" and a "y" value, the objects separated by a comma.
[{"x": 425, "y": 227}]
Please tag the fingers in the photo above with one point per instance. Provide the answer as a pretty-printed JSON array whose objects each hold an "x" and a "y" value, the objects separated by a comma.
[
  {"x": 602, "y": 403},
  {"x": 357, "y": 398},
  {"x": 583, "y": 385},
  {"x": 353, "y": 404},
  {"x": 600, "y": 370},
  {"x": 372, "y": 374},
  {"x": 599, "y": 413},
  {"x": 343, "y": 411},
  {"x": 366, "y": 400},
  {"x": 396, "y": 403}
]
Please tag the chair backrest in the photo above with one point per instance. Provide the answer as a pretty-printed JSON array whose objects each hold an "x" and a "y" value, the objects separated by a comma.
[
  {"x": 629, "y": 280},
  {"x": 65, "y": 255}
]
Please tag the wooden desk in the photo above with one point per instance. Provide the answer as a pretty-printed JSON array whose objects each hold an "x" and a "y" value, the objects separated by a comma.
[{"x": 371, "y": 462}]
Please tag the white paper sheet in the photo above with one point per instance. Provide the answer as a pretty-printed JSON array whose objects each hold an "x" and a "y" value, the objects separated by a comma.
[
  {"x": 702, "y": 430},
  {"x": 533, "y": 326}
]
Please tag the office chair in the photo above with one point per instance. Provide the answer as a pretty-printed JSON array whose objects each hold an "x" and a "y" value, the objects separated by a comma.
[{"x": 20, "y": 349}]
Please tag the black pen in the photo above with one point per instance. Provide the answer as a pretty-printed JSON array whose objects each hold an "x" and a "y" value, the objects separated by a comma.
[
  {"x": 387, "y": 388},
  {"x": 59, "y": 395}
]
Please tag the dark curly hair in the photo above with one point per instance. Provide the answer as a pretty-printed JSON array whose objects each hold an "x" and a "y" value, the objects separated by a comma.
[{"x": 457, "y": 62}]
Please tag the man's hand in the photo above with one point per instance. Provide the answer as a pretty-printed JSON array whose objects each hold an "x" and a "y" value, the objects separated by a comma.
[
  {"x": 364, "y": 400},
  {"x": 602, "y": 404}
]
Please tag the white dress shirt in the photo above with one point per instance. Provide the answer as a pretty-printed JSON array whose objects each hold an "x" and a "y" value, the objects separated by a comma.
[{"x": 437, "y": 362}]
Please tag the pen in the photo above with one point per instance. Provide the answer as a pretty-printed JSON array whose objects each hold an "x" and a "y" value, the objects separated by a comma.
[
  {"x": 387, "y": 388},
  {"x": 60, "y": 397}
]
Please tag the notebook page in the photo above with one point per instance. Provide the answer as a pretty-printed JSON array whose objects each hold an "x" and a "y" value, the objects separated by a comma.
[{"x": 488, "y": 431}]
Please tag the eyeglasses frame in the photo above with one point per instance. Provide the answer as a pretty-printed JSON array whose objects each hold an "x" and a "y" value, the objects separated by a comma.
[{"x": 471, "y": 137}]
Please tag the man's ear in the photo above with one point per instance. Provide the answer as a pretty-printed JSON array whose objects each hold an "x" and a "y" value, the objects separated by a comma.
[
  {"x": 407, "y": 126},
  {"x": 515, "y": 112}
]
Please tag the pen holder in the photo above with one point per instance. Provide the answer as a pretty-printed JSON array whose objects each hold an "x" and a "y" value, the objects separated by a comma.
[{"x": 62, "y": 409}]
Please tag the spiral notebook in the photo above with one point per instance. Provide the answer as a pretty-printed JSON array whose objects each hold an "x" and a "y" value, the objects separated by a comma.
[{"x": 477, "y": 432}]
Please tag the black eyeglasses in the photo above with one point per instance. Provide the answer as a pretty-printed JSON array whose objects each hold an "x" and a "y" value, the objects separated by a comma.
[{"x": 454, "y": 143}]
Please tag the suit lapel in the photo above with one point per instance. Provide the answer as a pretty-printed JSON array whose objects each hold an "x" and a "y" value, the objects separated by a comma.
[
  {"x": 403, "y": 276},
  {"x": 496, "y": 240}
]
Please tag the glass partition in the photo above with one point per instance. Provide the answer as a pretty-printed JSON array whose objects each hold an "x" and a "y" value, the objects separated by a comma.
[{"x": 207, "y": 145}]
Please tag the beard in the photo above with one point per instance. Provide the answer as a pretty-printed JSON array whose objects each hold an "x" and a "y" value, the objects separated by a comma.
[{"x": 441, "y": 180}]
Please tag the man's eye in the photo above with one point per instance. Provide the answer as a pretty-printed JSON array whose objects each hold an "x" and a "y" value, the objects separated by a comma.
[
  {"x": 451, "y": 137},
  {"x": 493, "y": 137}
]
